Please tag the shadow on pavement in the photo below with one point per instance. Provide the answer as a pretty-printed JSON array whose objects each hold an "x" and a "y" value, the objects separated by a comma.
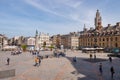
[{"x": 86, "y": 69}]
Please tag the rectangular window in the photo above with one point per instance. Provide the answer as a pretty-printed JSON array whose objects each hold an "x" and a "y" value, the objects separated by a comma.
[
  {"x": 103, "y": 45},
  {"x": 103, "y": 39},
  {"x": 99, "y": 44},
  {"x": 111, "y": 39},
  {"x": 115, "y": 38},
  {"x": 95, "y": 39},
  {"x": 100, "y": 39},
  {"x": 107, "y": 39}
]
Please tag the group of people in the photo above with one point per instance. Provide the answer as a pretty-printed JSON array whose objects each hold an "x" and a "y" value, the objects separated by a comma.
[
  {"x": 91, "y": 56},
  {"x": 34, "y": 52},
  {"x": 16, "y": 52},
  {"x": 112, "y": 71},
  {"x": 37, "y": 61},
  {"x": 58, "y": 54}
]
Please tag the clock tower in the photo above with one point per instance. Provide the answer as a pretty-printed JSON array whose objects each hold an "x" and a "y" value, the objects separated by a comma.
[{"x": 98, "y": 21}]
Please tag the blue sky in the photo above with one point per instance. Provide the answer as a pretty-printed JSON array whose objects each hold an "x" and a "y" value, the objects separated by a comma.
[{"x": 23, "y": 17}]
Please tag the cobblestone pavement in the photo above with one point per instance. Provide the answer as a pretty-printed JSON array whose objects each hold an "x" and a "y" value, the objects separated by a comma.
[{"x": 62, "y": 68}]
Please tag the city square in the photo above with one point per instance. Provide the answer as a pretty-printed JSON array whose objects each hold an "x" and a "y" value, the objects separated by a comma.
[
  {"x": 62, "y": 68},
  {"x": 59, "y": 40}
]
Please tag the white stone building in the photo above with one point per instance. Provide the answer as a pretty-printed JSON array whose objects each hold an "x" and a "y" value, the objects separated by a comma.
[
  {"x": 3, "y": 41},
  {"x": 30, "y": 43},
  {"x": 40, "y": 39},
  {"x": 73, "y": 42}
]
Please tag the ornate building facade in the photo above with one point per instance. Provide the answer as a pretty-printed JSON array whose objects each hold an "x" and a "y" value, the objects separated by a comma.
[
  {"x": 30, "y": 42},
  {"x": 56, "y": 40},
  {"x": 106, "y": 37},
  {"x": 41, "y": 40},
  {"x": 68, "y": 41}
]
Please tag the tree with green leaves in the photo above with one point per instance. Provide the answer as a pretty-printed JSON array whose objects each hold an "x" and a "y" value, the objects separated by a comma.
[
  {"x": 24, "y": 47},
  {"x": 44, "y": 45},
  {"x": 51, "y": 47}
]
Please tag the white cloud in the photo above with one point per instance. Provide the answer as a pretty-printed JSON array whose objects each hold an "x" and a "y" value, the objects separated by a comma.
[
  {"x": 55, "y": 8},
  {"x": 73, "y": 4},
  {"x": 72, "y": 10},
  {"x": 40, "y": 6},
  {"x": 69, "y": 3},
  {"x": 79, "y": 15}
]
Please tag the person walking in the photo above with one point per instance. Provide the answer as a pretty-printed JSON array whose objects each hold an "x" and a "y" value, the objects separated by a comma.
[
  {"x": 75, "y": 59},
  {"x": 112, "y": 71},
  {"x": 39, "y": 61},
  {"x": 90, "y": 56},
  {"x": 8, "y": 61},
  {"x": 110, "y": 59},
  {"x": 94, "y": 56},
  {"x": 36, "y": 61},
  {"x": 100, "y": 68}
]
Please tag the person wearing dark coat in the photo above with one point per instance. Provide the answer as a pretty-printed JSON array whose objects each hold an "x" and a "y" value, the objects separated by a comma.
[
  {"x": 8, "y": 61},
  {"x": 110, "y": 59},
  {"x": 39, "y": 61},
  {"x": 75, "y": 59},
  {"x": 100, "y": 69},
  {"x": 112, "y": 71}
]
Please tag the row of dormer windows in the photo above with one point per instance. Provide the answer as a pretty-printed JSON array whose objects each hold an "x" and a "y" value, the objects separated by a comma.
[{"x": 100, "y": 39}]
